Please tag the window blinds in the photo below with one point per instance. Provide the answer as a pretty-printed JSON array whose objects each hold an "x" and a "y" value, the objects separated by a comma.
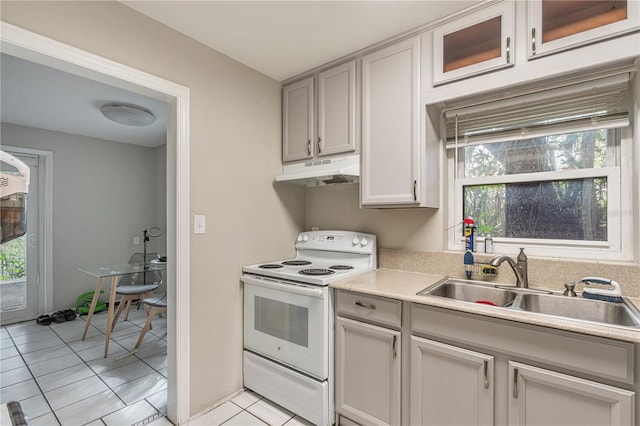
[{"x": 597, "y": 104}]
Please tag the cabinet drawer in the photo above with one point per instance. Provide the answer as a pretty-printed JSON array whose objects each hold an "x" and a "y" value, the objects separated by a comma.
[
  {"x": 590, "y": 355},
  {"x": 375, "y": 309}
]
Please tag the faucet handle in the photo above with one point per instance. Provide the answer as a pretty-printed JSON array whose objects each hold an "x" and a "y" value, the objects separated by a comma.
[
  {"x": 522, "y": 257},
  {"x": 569, "y": 289}
]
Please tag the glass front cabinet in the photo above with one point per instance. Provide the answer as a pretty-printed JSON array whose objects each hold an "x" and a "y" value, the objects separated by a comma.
[
  {"x": 480, "y": 42},
  {"x": 560, "y": 25}
]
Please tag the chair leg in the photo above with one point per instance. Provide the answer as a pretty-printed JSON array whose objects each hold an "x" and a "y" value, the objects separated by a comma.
[
  {"x": 123, "y": 302},
  {"x": 156, "y": 310},
  {"x": 129, "y": 303}
]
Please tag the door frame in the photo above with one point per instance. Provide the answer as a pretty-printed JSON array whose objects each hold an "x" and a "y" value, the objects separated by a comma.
[
  {"x": 43, "y": 50},
  {"x": 45, "y": 222}
]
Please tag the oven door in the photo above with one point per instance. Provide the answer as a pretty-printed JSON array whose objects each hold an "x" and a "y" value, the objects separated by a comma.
[{"x": 288, "y": 322}]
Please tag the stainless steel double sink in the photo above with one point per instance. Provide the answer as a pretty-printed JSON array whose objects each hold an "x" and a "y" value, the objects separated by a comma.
[{"x": 536, "y": 301}]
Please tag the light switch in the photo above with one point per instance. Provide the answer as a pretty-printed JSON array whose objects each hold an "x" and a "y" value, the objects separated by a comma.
[
  {"x": 199, "y": 224},
  {"x": 136, "y": 241}
]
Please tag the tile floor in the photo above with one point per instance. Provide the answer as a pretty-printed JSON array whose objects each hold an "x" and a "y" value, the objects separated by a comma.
[
  {"x": 60, "y": 379},
  {"x": 249, "y": 409}
]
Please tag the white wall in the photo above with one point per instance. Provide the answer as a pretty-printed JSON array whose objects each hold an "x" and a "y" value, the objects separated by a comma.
[
  {"x": 235, "y": 134},
  {"x": 160, "y": 177},
  {"x": 104, "y": 194},
  {"x": 338, "y": 207}
]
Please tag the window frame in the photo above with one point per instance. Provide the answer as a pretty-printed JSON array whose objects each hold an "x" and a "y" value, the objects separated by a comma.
[{"x": 619, "y": 175}]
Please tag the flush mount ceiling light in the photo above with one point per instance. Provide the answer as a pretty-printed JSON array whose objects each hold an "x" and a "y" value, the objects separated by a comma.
[{"x": 129, "y": 115}]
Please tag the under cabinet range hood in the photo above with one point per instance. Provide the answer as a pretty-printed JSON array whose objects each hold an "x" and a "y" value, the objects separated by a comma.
[{"x": 322, "y": 171}]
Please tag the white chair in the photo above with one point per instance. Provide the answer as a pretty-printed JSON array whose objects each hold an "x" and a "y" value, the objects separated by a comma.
[
  {"x": 136, "y": 286},
  {"x": 157, "y": 306}
]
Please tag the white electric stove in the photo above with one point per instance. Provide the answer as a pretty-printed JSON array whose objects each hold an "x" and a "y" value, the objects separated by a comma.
[{"x": 288, "y": 320}]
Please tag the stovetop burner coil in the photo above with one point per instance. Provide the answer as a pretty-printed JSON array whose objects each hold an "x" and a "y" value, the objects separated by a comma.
[
  {"x": 316, "y": 271},
  {"x": 296, "y": 262},
  {"x": 341, "y": 267},
  {"x": 270, "y": 266}
]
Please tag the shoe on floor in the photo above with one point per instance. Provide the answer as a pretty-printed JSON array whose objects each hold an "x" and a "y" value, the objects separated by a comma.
[{"x": 44, "y": 320}]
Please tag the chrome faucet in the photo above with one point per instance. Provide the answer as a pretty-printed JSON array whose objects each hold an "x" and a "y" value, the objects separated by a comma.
[{"x": 519, "y": 268}]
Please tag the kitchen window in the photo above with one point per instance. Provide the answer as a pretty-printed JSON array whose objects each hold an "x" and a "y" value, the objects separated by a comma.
[{"x": 544, "y": 170}]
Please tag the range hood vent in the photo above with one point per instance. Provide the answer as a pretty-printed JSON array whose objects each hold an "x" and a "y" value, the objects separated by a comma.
[{"x": 322, "y": 172}]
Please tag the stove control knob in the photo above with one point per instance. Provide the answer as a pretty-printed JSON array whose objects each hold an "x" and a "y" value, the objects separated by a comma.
[
  {"x": 355, "y": 241},
  {"x": 364, "y": 241},
  {"x": 299, "y": 239},
  {"x": 305, "y": 238}
]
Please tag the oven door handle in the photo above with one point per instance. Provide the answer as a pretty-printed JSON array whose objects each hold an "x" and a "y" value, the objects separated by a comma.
[{"x": 289, "y": 288}]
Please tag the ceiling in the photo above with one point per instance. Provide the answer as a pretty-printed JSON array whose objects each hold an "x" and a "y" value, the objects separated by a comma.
[
  {"x": 278, "y": 38},
  {"x": 285, "y": 38},
  {"x": 37, "y": 96}
]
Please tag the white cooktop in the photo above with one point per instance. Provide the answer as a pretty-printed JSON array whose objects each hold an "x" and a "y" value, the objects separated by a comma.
[{"x": 333, "y": 255}]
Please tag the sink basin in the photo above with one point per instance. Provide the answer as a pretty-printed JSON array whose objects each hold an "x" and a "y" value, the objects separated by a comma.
[
  {"x": 471, "y": 291},
  {"x": 621, "y": 314},
  {"x": 536, "y": 301}
]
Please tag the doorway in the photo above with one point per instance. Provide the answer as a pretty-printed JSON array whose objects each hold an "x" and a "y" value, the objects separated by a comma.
[
  {"x": 20, "y": 257},
  {"x": 27, "y": 45}
]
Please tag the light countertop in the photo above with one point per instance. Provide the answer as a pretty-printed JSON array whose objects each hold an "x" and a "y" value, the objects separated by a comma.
[{"x": 404, "y": 285}]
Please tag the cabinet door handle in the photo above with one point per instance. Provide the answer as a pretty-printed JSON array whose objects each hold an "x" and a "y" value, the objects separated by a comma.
[
  {"x": 395, "y": 354},
  {"x": 486, "y": 374},
  {"x": 508, "y": 50},
  {"x": 366, "y": 305},
  {"x": 319, "y": 145},
  {"x": 533, "y": 41},
  {"x": 415, "y": 194},
  {"x": 515, "y": 383},
  {"x": 309, "y": 146}
]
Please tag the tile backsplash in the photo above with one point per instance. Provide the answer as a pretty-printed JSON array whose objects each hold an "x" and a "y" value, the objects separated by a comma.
[{"x": 551, "y": 274}]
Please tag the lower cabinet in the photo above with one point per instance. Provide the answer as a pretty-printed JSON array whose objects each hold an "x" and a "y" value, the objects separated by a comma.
[
  {"x": 547, "y": 398},
  {"x": 466, "y": 369},
  {"x": 449, "y": 385},
  {"x": 500, "y": 372},
  {"x": 367, "y": 373}
]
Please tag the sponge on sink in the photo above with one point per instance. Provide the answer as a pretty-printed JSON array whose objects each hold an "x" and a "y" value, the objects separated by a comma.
[{"x": 488, "y": 270}]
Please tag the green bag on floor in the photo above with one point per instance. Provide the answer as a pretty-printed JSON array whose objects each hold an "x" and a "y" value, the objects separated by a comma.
[{"x": 84, "y": 303}]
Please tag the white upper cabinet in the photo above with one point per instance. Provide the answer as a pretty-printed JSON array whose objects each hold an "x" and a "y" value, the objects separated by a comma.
[
  {"x": 391, "y": 150},
  {"x": 337, "y": 110},
  {"x": 560, "y": 25},
  {"x": 473, "y": 44},
  {"x": 298, "y": 121}
]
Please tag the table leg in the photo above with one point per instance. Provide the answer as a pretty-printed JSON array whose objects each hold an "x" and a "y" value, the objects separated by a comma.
[
  {"x": 94, "y": 301},
  {"x": 112, "y": 301}
]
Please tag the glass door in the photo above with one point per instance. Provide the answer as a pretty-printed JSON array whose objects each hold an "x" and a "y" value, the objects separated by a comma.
[
  {"x": 559, "y": 25},
  {"x": 19, "y": 259}
]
